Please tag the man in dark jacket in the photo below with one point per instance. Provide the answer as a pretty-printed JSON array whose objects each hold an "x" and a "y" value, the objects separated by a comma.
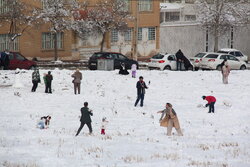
[
  {"x": 141, "y": 86},
  {"x": 35, "y": 79},
  {"x": 179, "y": 59},
  {"x": 210, "y": 102},
  {"x": 5, "y": 60},
  {"x": 85, "y": 118},
  {"x": 48, "y": 79}
]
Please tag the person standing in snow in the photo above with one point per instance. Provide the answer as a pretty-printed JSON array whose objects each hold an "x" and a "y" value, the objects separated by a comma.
[
  {"x": 48, "y": 79},
  {"x": 104, "y": 125},
  {"x": 77, "y": 80},
  {"x": 179, "y": 59},
  {"x": 141, "y": 86},
  {"x": 169, "y": 119},
  {"x": 133, "y": 70},
  {"x": 210, "y": 102},
  {"x": 85, "y": 118},
  {"x": 225, "y": 72},
  {"x": 35, "y": 79},
  {"x": 44, "y": 80}
]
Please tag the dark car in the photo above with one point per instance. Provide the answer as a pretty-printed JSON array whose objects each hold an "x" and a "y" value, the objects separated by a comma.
[
  {"x": 117, "y": 57},
  {"x": 17, "y": 60}
]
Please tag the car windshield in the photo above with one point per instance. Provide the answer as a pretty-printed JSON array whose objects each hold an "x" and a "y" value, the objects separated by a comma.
[
  {"x": 222, "y": 51},
  {"x": 158, "y": 56},
  {"x": 200, "y": 55}
]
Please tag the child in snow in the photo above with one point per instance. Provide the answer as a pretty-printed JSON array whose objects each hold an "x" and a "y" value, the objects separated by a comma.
[
  {"x": 170, "y": 120},
  {"x": 133, "y": 69},
  {"x": 210, "y": 102},
  {"x": 104, "y": 124},
  {"x": 44, "y": 122}
]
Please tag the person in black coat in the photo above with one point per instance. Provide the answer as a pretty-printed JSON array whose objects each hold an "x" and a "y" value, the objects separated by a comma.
[
  {"x": 123, "y": 70},
  {"x": 48, "y": 79},
  {"x": 141, "y": 86},
  {"x": 85, "y": 118},
  {"x": 179, "y": 59},
  {"x": 5, "y": 61}
]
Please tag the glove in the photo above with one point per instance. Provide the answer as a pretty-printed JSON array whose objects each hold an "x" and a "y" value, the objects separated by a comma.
[{"x": 206, "y": 105}]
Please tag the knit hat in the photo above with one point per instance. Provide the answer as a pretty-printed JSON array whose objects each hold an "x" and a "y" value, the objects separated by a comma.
[{"x": 203, "y": 97}]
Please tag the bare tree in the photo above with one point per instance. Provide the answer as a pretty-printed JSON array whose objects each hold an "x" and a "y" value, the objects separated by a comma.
[
  {"x": 107, "y": 16},
  {"x": 218, "y": 17},
  {"x": 58, "y": 14},
  {"x": 19, "y": 16}
]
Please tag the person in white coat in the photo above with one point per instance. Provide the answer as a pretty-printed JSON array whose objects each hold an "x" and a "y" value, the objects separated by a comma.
[
  {"x": 104, "y": 125},
  {"x": 133, "y": 70},
  {"x": 225, "y": 72}
]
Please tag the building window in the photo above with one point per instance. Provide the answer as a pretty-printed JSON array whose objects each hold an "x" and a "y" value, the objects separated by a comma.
[
  {"x": 4, "y": 8},
  {"x": 128, "y": 35},
  {"x": 7, "y": 44},
  {"x": 172, "y": 16},
  {"x": 48, "y": 40},
  {"x": 139, "y": 34},
  {"x": 151, "y": 33},
  {"x": 127, "y": 5},
  {"x": 145, "y": 5},
  {"x": 114, "y": 36},
  {"x": 189, "y": 1},
  {"x": 190, "y": 17}
]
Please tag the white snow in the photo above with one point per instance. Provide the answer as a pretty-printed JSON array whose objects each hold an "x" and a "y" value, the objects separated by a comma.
[{"x": 133, "y": 136}]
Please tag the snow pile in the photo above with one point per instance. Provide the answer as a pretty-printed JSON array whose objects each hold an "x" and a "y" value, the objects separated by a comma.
[{"x": 133, "y": 135}]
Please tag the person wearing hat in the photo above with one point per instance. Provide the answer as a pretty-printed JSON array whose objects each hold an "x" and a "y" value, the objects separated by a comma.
[
  {"x": 77, "y": 80},
  {"x": 225, "y": 72},
  {"x": 210, "y": 102},
  {"x": 141, "y": 86},
  {"x": 49, "y": 79}
]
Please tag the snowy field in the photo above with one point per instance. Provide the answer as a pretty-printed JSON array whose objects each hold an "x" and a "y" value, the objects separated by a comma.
[{"x": 133, "y": 136}]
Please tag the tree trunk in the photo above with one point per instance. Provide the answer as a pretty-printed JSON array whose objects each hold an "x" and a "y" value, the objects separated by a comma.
[
  {"x": 216, "y": 42},
  {"x": 103, "y": 39},
  {"x": 55, "y": 47}
]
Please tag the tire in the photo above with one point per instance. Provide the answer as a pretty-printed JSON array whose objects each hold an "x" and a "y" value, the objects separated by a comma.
[
  {"x": 196, "y": 68},
  {"x": 243, "y": 67},
  {"x": 167, "y": 68},
  {"x": 150, "y": 68},
  {"x": 218, "y": 68}
]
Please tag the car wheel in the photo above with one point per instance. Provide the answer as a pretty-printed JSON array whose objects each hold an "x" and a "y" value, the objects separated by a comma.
[
  {"x": 167, "y": 68},
  {"x": 218, "y": 68},
  {"x": 196, "y": 68},
  {"x": 243, "y": 67},
  {"x": 32, "y": 67},
  {"x": 150, "y": 68}
]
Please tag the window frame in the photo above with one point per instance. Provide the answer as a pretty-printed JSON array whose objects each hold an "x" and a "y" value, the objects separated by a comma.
[
  {"x": 151, "y": 34},
  {"x": 48, "y": 40},
  {"x": 145, "y": 5}
]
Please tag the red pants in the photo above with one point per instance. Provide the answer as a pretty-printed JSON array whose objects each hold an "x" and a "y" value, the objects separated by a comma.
[{"x": 103, "y": 131}]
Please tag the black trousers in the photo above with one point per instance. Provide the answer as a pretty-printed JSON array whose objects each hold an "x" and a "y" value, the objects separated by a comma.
[
  {"x": 211, "y": 107},
  {"x": 48, "y": 87},
  {"x": 35, "y": 83},
  {"x": 139, "y": 97},
  {"x": 81, "y": 126},
  {"x": 179, "y": 64}
]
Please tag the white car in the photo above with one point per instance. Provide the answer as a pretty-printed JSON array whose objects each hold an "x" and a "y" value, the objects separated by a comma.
[
  {"x": 196, "y": 60},
  {"x": 238, "y": 54},
  {"x": 165, "y": 62},
  {"x": 213, "y": 61}
]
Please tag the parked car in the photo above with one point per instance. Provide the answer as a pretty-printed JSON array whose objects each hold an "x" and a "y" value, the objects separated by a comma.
[
  {"x": 196, "y": 60},
  {"x": 213, "y": 61},
  {"x": 117, "y": 57},
  {"x": 238, "y": 54},
  {"x": 165, "y": 62},
  {"x": 17, "y": 60}
]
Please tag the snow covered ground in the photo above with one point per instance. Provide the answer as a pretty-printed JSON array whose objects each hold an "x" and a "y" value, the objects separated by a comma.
[{"x": 134, "y": 137}]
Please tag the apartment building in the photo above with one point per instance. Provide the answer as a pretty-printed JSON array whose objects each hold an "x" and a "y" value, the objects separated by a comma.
[
  {"x": 179, "y": 29},
  {"x": 37, "y": 41}
]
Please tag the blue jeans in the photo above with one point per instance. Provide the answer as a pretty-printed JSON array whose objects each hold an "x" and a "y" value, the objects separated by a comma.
[{"x": 139, "y": 97}]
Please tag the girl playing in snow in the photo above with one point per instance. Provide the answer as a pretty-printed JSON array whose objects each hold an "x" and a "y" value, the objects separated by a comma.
[
  {"x": 133, "y": 69},
  {"x": 104, "y": 125},
  {"x": 170, "y": 120}
]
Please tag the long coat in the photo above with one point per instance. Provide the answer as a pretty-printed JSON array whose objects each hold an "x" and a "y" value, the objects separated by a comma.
[
  {"x": 167, "y": 116},
  {"x": 85, "y": 118},
  {"x": 77, "y": 77},
  {"x": 225, "y": 70}
]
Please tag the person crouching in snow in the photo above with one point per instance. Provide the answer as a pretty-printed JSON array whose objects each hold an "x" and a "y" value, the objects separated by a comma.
[
  {"x": 104, "y": 125},
  {"x": 44, "y": 122},
  {"x": 210, "y": 102},
  {"x": 133, "y": 70},
  {"x": 169, "y": 119}
]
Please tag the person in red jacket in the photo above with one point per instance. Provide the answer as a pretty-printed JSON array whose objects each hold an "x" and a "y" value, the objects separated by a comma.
[{"x": 210, "y": 102}]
